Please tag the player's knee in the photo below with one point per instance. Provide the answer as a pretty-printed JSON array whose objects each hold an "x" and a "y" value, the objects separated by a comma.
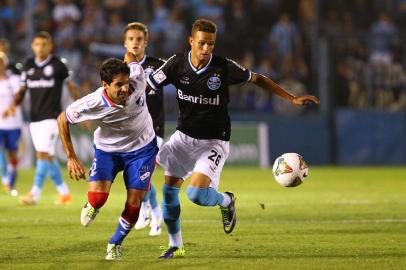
[
  {"x": 131, "y": 212},
  {"x": 97, "y": 199},
  {"x": 197, "y": 195}
]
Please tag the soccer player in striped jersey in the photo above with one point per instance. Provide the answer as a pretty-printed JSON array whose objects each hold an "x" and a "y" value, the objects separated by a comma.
[
  {"x": 123, "y": 141},
  {"x": 10, "y": 127}
]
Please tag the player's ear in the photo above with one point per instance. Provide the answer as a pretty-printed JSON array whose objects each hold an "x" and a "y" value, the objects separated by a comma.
[
  {"x": 190, "y": 40},
  {"x": 105, "y": 85}
]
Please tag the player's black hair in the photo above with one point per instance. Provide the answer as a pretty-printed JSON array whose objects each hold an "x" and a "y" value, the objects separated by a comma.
[
  {"x": 204, "y": 25},
  {"x": 44, "y": 35},
  {"x": 112, "y": 67}
]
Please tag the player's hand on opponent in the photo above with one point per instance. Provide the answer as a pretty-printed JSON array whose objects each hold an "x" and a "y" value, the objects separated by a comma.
[
  {"x": 129, "y": 57},
  {"x": 11, "y": 111},
  {"x": 305, "y": 100},
  {"x": 75, "y": 169}
]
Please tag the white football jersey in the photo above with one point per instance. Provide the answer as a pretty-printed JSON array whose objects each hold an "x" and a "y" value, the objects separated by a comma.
[
  {"x": 8, "y": 88},
  {"x": 120, "y": 128}
]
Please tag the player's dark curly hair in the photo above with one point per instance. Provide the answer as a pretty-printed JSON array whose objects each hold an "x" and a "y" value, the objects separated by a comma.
[{"x": 112, "y": 67}]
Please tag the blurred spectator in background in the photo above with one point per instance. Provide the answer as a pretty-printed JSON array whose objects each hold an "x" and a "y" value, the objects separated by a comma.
[
  {"x": 288, "y": 81},
  {"x": 114, "y": 30},
  {"x": 43, "y": 16},
  {"x": 384, "y": 37},
  {"x": 173, "y": 33},
  {"x": 65, "y": 10},
  {"x": 284, "y": 38}
]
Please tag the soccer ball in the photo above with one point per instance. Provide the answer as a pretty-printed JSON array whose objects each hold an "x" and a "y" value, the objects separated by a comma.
[{"x": 290, "y": 169}]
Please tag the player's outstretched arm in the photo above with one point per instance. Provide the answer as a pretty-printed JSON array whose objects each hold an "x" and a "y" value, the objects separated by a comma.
[
  {"x": 75, "y": 167},
  {"x": 268, "y": 84},
  {"x": 18, "y": 98}
]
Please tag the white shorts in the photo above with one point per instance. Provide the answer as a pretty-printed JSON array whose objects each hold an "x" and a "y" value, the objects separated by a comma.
[
  {"x": 44, "y": 135},
  {"x": 182, "y": 155}
]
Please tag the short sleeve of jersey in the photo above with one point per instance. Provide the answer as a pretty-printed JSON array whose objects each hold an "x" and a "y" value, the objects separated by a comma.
[
  {"x": 85, "y": 108},
  {"x": 23, "y": 76},
  {"x": 63, "y": 70},
  {"x": 237, "y": 73},
  {"x": 163, "y": 75}
]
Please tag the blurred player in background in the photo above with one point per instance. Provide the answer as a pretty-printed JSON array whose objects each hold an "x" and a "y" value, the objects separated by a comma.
[
  {"x": 44, "y": 75},
  {"x": 135, "y": 41},
  {"x": 200, "y": 145},
  {"x": 11, "y": 70},
  {"x": 10, "y": 127},
  {"x": 124, "y": 141}
]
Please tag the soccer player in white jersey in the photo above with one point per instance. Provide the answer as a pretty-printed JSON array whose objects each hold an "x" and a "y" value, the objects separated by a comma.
[
  {"x": 10, "y": 127},
  {"x": 43, "y": 76},
  {"x": 124, "y": 141},
  {"x": 135, "y": 41},
  {"x": 200, "y": 145}
]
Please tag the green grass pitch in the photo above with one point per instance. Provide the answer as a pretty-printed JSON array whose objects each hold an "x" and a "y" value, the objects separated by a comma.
[{"x": 341, "y": 218}]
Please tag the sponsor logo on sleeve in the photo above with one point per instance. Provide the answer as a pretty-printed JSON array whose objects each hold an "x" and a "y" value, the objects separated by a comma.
[{"x": 159, "y": 77}]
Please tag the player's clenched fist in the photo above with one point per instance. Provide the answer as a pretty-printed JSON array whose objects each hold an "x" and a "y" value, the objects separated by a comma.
[{"x": 129, "y": 57}]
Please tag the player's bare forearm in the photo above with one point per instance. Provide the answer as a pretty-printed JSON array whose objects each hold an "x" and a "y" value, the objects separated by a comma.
[
  {"x": 73, "y": 89},
  {"x": 18, "y": 98},
  {"x": 268, "y": 84},
  {"x": 75, "y": 167},
  {"x": 64, "y": 133}
]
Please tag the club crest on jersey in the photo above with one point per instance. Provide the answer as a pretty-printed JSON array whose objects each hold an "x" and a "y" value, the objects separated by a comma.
[
  {"x": 159, "y": 77},
  {"x": 48, "y": 70},
  {"x": 30, "y": 72},
  {"x": 144, "y": 173},
  {"x": 214, "y": 83}
]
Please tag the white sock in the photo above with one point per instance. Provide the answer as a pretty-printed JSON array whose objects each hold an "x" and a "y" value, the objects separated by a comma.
[
  {"x": 226, "y": 201},
  {"x": 156, "y": 213},
  {"x": 63, "y": 189},
  {"x": 5, "y": 180},
  {"x": 36, "y": 192},
  {"x": 144, "y": 208},
  {"x": 175, "y": 240}
]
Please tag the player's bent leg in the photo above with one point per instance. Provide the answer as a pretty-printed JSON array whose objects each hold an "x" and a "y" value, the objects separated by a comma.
[
  {"x": 171, "y": 214},
  {"x": 97, "y": 195},
  {"x": 200, "y": 192},
  {"x": 56, "y": 176},
  {"x": 125, "y": 223},
  {"x": 156, "y": 213}
]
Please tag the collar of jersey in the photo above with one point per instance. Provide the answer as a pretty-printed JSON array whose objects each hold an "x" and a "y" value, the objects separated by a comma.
[
  {"x": 203, "y": 69},
  {"x": 43, "y": 63},
  {"x": 108, "y": 102},
  {"x": 143, "y": 60}
]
